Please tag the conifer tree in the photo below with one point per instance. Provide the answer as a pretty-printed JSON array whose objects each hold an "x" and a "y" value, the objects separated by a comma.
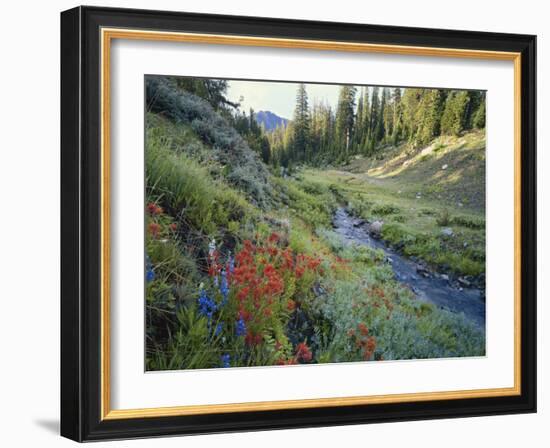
[
  {"x": 397, "y": 116},
  {"x": 301, "y": 125},
  {"x": 374, "y": 117},
  {"x": 387, "y": 114},
  {"x": 429, "y": 115},
  {"x": 479, "y": 115},
  {"x": 359, "y": 120},
  {"x": 453, "y": 119},
  {"x": 345, "y": 116}
]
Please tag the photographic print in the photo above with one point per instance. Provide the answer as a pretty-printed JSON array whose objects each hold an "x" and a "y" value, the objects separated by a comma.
[
  {"x": 224, "y": 231},
  {"x": 300, "y": 223}
]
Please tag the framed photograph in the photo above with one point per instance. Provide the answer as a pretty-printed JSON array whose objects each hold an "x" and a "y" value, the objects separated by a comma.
[{"x": 276, "y": 224}]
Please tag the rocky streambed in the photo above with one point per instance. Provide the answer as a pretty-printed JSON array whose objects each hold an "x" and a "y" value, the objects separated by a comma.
[{"x": 455, "y": 295}]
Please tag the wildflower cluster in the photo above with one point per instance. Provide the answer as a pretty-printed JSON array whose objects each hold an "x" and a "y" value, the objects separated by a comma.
[
  {"x": 365, "y": 343},
  {"x": 302, "y": 355},
  {"x": 207, "y": 305},
  {"x": 159, "y": 223},
  {"x": 266, "y": 277},
  {"x": 381, "y": 300},
  {"x": 252, "y": 297}
]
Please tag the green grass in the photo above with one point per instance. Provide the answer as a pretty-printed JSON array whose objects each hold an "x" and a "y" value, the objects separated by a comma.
[
  {"x": 187, "y": 190},
  {"x": 414, "y": 209},
  {"x": 204, "y": 199},
  {"x": 403, "y": 328}
]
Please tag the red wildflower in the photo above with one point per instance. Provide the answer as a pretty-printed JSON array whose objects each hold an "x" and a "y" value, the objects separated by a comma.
[
  {"x": 154, "y": 209},
  {"x": 290, "y": 305},
  {"x": 303, "y": 352},
  {"x": 154, "y": 229},
  {"x": 363, "y": 329},
  {"x": 173, "y": 227},
  {"x": 370, "y": 346},
  {"x": 273, "y": 238},
  {"x": 245, "y": 315},
  {"x": 253, "y": 339},
  {"x": 243, "y": 293}
]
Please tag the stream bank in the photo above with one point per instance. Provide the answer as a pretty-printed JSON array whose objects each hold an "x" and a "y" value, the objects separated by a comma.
[{"x": 437, "y": 290}]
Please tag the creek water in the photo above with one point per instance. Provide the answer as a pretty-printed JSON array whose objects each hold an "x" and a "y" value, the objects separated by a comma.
[{"x": 432, "y": 289}]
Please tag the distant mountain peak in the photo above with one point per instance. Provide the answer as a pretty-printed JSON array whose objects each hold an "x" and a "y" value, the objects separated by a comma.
[{"x": 270, "y": 120}]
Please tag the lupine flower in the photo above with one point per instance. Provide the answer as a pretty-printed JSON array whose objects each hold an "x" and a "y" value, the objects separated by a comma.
[
  {"x": 224, "y": 288},
  {"x": 240, "y": 329},
  {"x": 207, "y": 306},
  {"x": 226, "y": 360},
  {"x": 149, "y": 273},
  {"x": 231, "y": 264},
  {"x": 219, "y": 329}
]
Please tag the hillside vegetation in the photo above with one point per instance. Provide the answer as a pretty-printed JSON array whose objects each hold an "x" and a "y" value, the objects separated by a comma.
[{"x": 242, "y": 265}]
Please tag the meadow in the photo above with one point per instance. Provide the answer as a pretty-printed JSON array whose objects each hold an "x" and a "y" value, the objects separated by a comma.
[{"x": 245, "y": 266}]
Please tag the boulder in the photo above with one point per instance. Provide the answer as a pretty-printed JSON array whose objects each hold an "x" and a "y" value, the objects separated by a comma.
[
  {"x": 376, "y": 227},
  {"x": 464, "y": 282},
  {"x": 444, "y": 167},
  {"x": 447, "y": 231},
  {"x": 423, "y": 271}
]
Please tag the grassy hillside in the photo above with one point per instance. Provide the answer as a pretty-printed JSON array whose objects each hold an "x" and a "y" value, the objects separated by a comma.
[{"x": 450, "y": 170}]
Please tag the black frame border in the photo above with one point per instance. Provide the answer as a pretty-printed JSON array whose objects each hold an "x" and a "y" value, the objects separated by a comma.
[{"x": 81, "y": 223}]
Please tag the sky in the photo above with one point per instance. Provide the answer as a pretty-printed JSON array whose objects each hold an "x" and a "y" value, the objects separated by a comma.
[{"x": 278, "y": 97}]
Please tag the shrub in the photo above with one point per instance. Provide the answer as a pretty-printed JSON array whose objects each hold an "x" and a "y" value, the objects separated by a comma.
[
  {"x": 385, "y": 209},
  {"x": 466, "y": 221},
  {"x": 188, "y": 192},
  {"x": 444, "y": 218},
  {"x": 382, "y": 322},
  {"x": 245, "y": 169}
]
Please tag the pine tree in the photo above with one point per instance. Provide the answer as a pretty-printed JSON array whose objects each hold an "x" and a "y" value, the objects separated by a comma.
[
  {"x": 387, "y": 115},
  {"x": 479, "y": 115},
  {"x": 301, "y": 125},
  {"x": 345, "y": 116},
  {"x": 397, "y": 116},
  {"x": 429, "y": 115},
  {"x": 454, "y": 119},
  {"x": 358, "y": 134},
  {"x": 366, "y": 122},
  {"x": 374, "y": 118}
]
